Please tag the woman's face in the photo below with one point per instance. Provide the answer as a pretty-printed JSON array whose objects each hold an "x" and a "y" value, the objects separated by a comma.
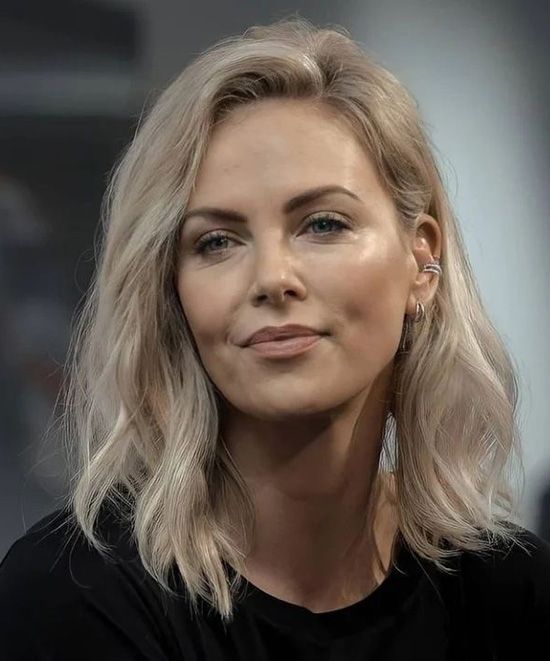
[{"x": 334, "y": 263}]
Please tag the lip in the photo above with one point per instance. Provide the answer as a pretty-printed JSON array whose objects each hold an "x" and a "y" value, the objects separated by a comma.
[
  {"x": 279, "y": 333},
  {"x": 286, "y": 348}
]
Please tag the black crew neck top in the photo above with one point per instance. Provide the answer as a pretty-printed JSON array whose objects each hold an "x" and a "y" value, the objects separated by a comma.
[{"x": 60, "y": 600}]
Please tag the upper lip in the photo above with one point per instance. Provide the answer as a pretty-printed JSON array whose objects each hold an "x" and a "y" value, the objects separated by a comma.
[{"x": 269, "y": 333}]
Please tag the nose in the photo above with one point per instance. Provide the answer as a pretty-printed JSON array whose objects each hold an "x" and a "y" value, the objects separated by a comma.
[{"x": 276, "y": 273}]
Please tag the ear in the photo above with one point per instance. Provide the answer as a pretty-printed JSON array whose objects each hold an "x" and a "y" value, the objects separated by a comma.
[{"x": 425, "y": 245}]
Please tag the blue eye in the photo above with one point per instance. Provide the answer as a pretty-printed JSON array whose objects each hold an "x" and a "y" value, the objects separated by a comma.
[
  {"x": 209, "y": 239},
  {"x": 327, "y": 219},
  {"x": 203, "y": 243}
]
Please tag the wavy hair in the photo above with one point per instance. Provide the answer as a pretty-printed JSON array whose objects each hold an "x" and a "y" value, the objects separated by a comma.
[{"x": 141, "y": 416}]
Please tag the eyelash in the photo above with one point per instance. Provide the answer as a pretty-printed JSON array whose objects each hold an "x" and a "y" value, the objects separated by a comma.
[{"x": 204, "y": 242}]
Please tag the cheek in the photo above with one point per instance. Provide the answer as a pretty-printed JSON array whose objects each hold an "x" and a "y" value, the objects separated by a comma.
[
  {"x": 370, "y": 303},
  {"x": 206, "y": 309}
]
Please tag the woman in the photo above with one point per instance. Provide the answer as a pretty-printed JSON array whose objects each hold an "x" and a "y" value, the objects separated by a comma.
[{"x": 295, "y": 420}]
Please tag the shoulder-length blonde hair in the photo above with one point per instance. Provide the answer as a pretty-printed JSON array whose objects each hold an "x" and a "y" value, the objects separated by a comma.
[{"x": 142, "y": 416}]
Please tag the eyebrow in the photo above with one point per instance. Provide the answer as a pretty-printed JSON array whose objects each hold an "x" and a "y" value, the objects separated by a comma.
[{"x": 289, "y": 206}]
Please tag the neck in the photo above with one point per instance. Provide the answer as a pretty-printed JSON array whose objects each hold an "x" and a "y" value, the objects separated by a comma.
[
  {"x": 325, "y": 524},
  {"x": 327, "y": 567}
]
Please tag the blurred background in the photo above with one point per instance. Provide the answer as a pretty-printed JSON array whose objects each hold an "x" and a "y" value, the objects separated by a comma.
[{"x": 74, "y": 76}]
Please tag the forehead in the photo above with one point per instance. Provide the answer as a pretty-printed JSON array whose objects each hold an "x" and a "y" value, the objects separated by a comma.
[{"x": 276, "y": 144}]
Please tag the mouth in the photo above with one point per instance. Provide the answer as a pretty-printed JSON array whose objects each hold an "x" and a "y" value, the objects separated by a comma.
[
  {"x": 287, "y": 347},
  {"x": 275, "y": 333}
]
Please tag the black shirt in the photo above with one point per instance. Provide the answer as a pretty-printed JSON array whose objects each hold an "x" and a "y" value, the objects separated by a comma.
[{"x": 60, "y": 600}]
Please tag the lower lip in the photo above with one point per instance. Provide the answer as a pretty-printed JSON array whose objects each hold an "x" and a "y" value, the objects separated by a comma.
[{"x": 293, "y": 346}]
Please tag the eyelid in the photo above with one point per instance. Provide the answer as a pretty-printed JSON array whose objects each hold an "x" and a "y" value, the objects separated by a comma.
[
  {"x": 305, "y": 218},
  {"x": 327, "y": 214},
  {"x": 331, "y": 215}
]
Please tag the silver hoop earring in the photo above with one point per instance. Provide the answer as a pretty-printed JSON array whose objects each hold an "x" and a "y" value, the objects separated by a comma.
[
  {"x": 405, "y": 342},
  {"x": 433, "y": 267},
  {"x": 420, "y": 312}
]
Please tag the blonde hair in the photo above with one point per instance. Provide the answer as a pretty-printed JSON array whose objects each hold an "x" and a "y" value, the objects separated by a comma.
[{"x": 142, "y": 416}]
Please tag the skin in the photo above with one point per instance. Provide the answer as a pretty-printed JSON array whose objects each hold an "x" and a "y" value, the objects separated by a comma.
[{"x": 304, "y": 432}]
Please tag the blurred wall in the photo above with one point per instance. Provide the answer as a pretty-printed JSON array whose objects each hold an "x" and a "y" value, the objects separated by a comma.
[{"x": 477, "y": 69}]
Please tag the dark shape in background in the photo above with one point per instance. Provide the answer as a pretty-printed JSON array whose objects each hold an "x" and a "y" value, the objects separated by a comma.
[{"x": 543, "y": 524}]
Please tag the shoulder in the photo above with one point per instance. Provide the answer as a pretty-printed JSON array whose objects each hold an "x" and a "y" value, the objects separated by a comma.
[
  {"x": 55, "y": 553},
  {"x": 521, "y": 567},
  {"x": 507, "y": 590},
  {"x": 58, "y": 593}
]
